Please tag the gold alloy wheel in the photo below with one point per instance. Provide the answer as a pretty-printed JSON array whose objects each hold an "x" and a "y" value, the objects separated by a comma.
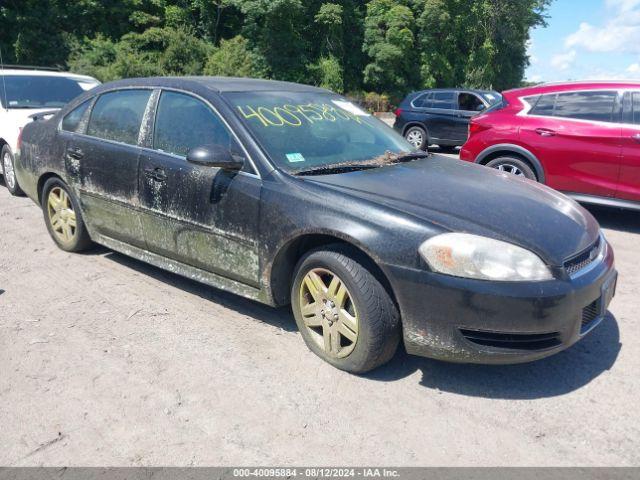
[
  {"x": 62, "y": 217},
  {"x": 328, "y": 312}
]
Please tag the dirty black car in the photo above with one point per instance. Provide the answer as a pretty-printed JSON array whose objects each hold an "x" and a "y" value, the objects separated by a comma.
[{"x": 289, "y": 194}]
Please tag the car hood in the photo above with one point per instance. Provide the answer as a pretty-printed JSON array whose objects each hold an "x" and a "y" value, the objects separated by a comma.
[{"x": 464, "y": 197}]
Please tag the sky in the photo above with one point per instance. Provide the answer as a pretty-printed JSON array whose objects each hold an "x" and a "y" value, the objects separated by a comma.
[{"x": 587, "y": 39}]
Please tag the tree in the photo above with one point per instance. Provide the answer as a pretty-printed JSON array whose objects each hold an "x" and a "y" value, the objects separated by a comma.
[
  {"x": 234, "y": 58},
  {"x": 389, "y": 41}
]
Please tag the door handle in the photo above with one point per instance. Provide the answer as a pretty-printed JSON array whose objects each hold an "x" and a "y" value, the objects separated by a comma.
[
  {"x": 75, "y": 153},
  {"x": 544, "y": 132},
  {"x": 157, "y": 174}
]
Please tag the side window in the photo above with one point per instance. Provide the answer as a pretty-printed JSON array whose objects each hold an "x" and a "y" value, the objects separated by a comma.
[
  {"x": 470, "y": 102},
  {"x": 636, "y": 108},
  {"x": 443, "y": 100},
  {"x": 544, "y": 105},
  {"x": 184, "y": 122},
  {"x": 596, "y": 106},
  {"x": 423, "y": 101},
  {"x": 118, "y": 115},
  {"x": 72, "y": 120}
]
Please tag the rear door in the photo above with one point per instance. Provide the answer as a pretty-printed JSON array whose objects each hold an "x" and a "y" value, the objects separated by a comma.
[
  {"x": 198, "y": 215},
  {"x": 104, "y": 161},
  {"x": 443, "y": 119},
  {"x": 629, "y": 185},
  {"x": 576, "y": 136}
]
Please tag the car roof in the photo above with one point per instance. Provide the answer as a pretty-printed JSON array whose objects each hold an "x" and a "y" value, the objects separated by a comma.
[
  {"x": 573, "y": 86},
  {"x": 472, "y": 90},
  {"x": 217, "y": 84},
  {"x": 44, "y": 73}
]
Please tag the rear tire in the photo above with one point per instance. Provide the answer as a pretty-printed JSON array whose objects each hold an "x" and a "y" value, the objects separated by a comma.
[
  {"x": 344, "y": 313},
  {"x": 513, "y": 165},
  {"x": 418, "y": 137},
  {"x": 9, "y": 172},
  {"x": 63, "y": 217}
]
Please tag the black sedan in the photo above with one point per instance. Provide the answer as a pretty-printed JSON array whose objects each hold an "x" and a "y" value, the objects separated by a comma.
[{"x": 288, "y": 194}]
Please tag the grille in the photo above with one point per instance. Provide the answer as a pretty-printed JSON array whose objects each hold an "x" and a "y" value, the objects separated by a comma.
[
  {"x": 514, "y": 341},
  {"x": 590, "y": 314},
  {"x": 584, "y": 259}
]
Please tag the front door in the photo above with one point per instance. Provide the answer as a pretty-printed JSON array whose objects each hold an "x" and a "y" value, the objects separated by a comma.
[
  {"x": 201, "y": 216},
  {"x": 105, "y": 161},
  {"x": 468, "y": 105},
  {"x": 629, "y": 184}
]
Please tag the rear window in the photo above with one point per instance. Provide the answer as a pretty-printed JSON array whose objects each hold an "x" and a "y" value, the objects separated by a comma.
[
  {"x": 41, "y": 91},
  {"x": 423, "y": 101},
  {"x": 118, "y": 115},
  {"x": 595, "y": 106}
]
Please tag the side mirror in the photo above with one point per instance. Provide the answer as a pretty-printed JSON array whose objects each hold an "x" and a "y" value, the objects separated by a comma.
[
  {"x": 480, "y": 108},
  {"x": 215, "y": 156}
]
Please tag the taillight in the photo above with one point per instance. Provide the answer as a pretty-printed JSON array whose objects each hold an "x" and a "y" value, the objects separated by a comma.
[
  {"x": 475, "y": 127},
  {"x": 19, "y": 142},
  {"x": 398, "y": 112}
]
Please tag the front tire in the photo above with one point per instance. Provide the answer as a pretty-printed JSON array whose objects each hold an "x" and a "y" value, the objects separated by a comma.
[
  {"x": 9, "y": 172},
  {"x": 63, "y": 217},
  {"x": 514, "y": 166},
  {"x": 344, "y": 313}
]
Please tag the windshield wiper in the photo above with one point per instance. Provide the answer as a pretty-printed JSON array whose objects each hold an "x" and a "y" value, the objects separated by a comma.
[
  {"x": 336, "y": 168},
  {"x": 388, "y": 158}
]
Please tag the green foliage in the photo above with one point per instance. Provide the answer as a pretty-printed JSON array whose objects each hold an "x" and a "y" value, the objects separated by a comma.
[
  {"x": 390, "y": 46},
  {"x": 328, "y": 74},
  {"x": 234, "y": 58}
]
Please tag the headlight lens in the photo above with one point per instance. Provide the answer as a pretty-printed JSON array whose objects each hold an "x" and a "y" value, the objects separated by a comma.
[{"x": 473, "y": 256}]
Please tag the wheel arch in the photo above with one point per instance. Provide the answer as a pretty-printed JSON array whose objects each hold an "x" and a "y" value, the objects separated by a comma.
[
  {"x": 497, "y": 151},
  {"x": 282, "y": 270},
  {"x": 42, "y": 180},
  {"x": 414, "y": 123}
]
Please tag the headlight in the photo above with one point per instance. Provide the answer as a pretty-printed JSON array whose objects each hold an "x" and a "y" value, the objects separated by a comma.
[{"x": 472, "y": 256}]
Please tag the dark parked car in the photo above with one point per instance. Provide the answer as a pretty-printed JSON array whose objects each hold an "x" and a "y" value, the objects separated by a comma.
[
  {"x": 441, "y": 117},
  {"x": 284, "y": 193},
  {"x": 582, "y": 138}
]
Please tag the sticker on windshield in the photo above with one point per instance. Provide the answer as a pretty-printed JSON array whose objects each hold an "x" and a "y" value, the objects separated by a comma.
[
  {"x": 350, "y": 107},
  {"x": 295, "y": 157}
]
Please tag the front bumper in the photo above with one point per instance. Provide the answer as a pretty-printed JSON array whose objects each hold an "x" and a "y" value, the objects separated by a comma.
[{"x": 474, "y": 321}]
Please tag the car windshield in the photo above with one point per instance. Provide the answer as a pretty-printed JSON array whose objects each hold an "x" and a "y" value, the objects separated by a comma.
[
  {"x": 40, "y": 91},
  {"x": 310, "y": 131}
]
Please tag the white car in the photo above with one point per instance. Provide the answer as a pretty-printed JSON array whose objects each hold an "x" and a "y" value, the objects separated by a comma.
[{"x": 25, "y": 92}]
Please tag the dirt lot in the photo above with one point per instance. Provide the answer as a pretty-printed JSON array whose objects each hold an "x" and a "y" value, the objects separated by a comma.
[{"x": 107, "y": 361}]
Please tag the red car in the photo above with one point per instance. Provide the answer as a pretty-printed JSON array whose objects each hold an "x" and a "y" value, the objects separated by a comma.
[{"x": 580, "y": 138}]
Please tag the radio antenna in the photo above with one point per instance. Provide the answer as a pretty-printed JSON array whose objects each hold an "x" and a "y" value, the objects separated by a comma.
[{"x": 4, "y": 82}]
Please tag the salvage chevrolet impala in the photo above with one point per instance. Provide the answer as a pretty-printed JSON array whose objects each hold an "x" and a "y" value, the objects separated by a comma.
[{"x": 289, "y": 194}]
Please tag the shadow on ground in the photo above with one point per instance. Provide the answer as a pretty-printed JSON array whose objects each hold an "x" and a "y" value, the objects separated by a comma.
[
  {"x": 553, "y": 376},
  {"x": 557, "y": 375},
  {"x": 616, "y": 218},
  {"x": 278, "y": 317}
]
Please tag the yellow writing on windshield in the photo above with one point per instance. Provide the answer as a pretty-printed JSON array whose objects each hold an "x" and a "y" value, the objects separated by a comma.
[{"x": 289, "y": 115}]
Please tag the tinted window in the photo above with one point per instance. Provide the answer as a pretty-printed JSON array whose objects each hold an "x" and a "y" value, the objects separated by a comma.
[
  {"x": 184, "y": 122},
  {"x": 596, "y": 106},
  {"x": 118, "y": 115},
  {"x": 41, "y": 91},
  {"x": 544, "y": 105},
  {"x": 423, "y": 101},
  {"x": 470, "y": 102},
  {"x": 636, "y": 108},
  {"x": 72, "y": 121},
  {"x": 443, "y": 100}
]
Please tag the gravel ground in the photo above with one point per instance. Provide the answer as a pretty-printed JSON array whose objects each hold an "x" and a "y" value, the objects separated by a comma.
[{"x": 107, "y": 361}]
